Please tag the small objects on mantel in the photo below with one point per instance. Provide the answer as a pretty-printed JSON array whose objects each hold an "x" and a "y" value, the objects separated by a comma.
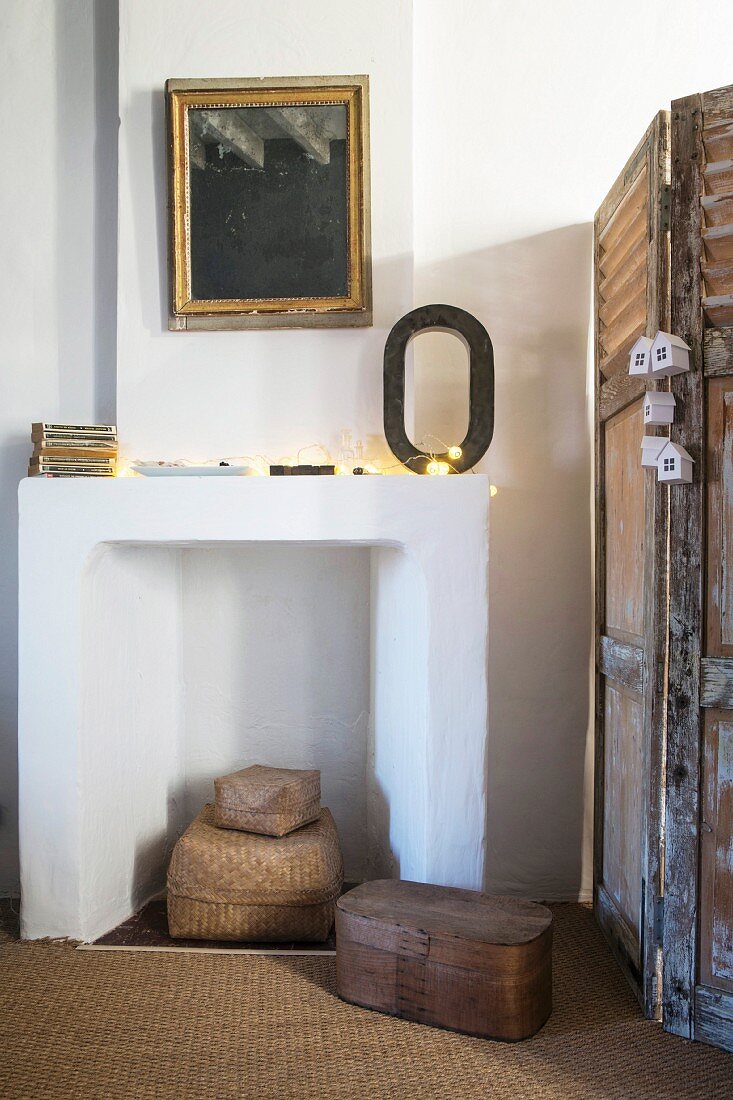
[
  {"x": 173, "y": 469},
  {"x": 73, "y": 450},
  {"x": 674, "y": 465},
  {"x": 301, "y": 470},
  {"x": 659, "y": 407}
]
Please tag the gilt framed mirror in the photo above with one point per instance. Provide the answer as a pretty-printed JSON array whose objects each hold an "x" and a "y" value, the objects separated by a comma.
[{"x": 269, "y": 203}]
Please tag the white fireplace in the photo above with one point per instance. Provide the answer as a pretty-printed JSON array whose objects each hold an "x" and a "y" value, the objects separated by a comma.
[{"x": 128, "y": 709}]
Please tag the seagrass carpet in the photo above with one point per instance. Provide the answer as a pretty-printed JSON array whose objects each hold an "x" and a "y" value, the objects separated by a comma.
[{"x": 104, "y": 1025}]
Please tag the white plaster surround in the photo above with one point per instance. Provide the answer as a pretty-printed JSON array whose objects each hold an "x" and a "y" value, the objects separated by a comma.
[{"x": 102, "y": 699}]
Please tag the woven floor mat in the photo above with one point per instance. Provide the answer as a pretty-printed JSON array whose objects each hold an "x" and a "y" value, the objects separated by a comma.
[{"x": 113, "y": 1025}]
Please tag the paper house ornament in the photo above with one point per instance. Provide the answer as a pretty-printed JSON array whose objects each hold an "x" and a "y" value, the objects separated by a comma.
[
  {"x": 669, "y": 355},
  {"x": 658, "y": 407},
  {"x": 674, "y": 465},
  {"x": 651, "y": 448},
  {"x": 639, "y": 358}
]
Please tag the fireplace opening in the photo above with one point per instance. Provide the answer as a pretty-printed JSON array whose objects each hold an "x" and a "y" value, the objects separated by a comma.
[{"x": 199, "y": 660}]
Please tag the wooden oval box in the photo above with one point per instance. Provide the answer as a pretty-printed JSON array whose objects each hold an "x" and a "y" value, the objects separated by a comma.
[{"x": 452, "y": 958}]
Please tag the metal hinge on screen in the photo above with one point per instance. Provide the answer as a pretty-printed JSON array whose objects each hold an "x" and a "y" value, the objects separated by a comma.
[
  {"x": 665, "y": 205},
  {"x": 659, "y": 921}
]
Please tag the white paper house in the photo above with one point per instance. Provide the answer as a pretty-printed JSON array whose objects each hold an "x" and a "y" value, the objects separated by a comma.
[
  {"x": 674, "y": 465},
  {"x": 639, "y": 358},
  {"x": 651, "y": 448},
  {"x": 658, "y": 407},
  {"x": 669, "y": 355}
]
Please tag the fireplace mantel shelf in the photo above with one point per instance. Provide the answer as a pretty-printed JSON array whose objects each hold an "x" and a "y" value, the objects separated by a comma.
[{"x": 92, "y": 765}]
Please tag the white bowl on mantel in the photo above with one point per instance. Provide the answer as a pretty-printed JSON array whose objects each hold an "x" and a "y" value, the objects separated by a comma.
[{"x": 194, "y": 471}]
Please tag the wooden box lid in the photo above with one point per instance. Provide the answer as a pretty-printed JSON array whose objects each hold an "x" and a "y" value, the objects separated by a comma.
[{"x": 455, "y": 927}]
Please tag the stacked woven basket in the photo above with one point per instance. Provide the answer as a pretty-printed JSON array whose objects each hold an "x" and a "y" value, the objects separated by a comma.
[{"x": 262, "y": 864}]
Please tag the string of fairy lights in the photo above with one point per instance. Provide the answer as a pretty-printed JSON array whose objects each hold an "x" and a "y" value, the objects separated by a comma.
[{"x": 436, "y": 466}]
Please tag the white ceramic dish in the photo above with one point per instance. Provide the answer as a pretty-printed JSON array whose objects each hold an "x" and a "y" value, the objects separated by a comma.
[{"x": 193, "y": 471}]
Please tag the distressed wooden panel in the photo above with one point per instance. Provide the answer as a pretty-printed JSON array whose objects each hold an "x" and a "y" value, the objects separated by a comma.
[
  {"x": 716, "y": 852},
  {"x": 717, "y": 205},
  {"x": 718, "y": 351},
  {"x": 716, "y": 682},
  {"x": 619, "y": 392},
  {"x": 622, "y": 663},
  {"x": 625, "y": 535},
  {"x": 622, "y": 939},
  {"x": 632, "y": 296},
  {"x": 719, "y": 471},
  {"x": 686, "y": 519},
  {"x": 714, "y": 1017},
  {"x": 623, "y": 777},
  {"x": 717, "y": 105}
]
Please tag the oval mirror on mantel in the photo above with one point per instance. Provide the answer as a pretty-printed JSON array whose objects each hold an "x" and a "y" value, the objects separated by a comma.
[{"x": 474, "y": 446}]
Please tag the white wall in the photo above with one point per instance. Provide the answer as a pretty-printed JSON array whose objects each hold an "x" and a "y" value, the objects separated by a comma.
[
  {"x": 208, "y": 395},
  {"x": 57, "y": 278},
  {"x": 538, "y": 107},
  {"x": 132, "y": 767},
  {"x": 276, "y": 645},
  {"x": 523, "y": 113}
]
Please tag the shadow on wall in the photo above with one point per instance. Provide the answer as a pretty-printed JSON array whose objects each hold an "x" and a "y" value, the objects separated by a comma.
[{"x": 533, "y": 295}]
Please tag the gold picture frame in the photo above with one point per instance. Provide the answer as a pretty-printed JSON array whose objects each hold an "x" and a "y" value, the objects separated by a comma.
[{"x": 245, "y": 290}]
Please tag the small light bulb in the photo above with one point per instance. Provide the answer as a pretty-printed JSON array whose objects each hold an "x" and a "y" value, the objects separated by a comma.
[
  {"x": 370, "y": 469},
  {"x": 455, "y": 453},
  {"x": 341, "y": 470},
  {"x": 493, "y": 490},
  {"x": 433, "y": 468},
  {"x": 443, "y": 468}
]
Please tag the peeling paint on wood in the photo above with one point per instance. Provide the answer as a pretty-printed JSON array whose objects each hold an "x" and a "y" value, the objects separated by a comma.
[{"x": 685, "y": 586}]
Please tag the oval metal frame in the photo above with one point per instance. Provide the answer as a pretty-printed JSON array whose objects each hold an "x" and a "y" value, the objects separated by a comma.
[{"x": 481, "y": 386}]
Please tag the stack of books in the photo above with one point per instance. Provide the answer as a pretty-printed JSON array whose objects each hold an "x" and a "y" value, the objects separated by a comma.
[{"x": 73, "y": 450}]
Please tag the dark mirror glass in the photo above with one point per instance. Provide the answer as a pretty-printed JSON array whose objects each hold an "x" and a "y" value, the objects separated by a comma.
[{"x": 268, "y": 202}]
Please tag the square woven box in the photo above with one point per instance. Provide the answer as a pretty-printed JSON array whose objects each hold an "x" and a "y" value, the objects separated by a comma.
[
  {"x": 271, "y": 801},
  {"x": 229, "y": 885}
]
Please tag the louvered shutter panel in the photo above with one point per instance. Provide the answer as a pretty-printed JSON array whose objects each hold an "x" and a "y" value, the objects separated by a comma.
[{"x": 631, "y": 280}]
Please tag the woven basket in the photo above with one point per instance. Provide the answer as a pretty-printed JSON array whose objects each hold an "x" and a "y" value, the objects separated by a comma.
[
  {"x": 271, "y": 801},
  {"x": 229, "y": 885}
]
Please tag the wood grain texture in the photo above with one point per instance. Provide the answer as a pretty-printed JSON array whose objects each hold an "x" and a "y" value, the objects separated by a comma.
[
  {"x": 717, "y": 105},
  {"x": 714, "y": 1017},
  {"x": 685, "y": 584},
  {"x": 719, "y": 509},
  {"x": 622, "y": 662},
  {"x": 716, "y": 853},
  {"x": 625, "y": 491},
  {"x": 622, "y": 833},
  {"x": 623, "y": 939},
  {"x": 718, "y": 351},
  {"x": 452, "y": 958},
  {"x": 633, "y": 559},
  {"x": 618, "y": 392},
  {"x": 716, "y": 682}
]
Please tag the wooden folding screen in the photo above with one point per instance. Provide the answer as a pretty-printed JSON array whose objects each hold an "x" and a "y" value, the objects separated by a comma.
[
  {"x": 698, "y": 907},
  {"x": 632, "y": 298},
  {"x": 664, "y": 577}
]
